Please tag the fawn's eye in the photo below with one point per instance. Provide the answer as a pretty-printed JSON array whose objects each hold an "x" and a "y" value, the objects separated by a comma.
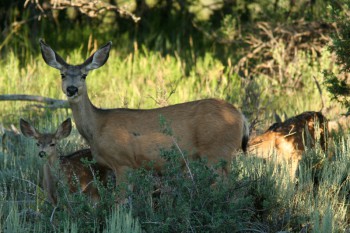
[
  {"x": 52, "y": 144},
  {"x": 37, "y": 144},
  {"x": 84, "y": 76},
  {"x": 63, "y": 76}
]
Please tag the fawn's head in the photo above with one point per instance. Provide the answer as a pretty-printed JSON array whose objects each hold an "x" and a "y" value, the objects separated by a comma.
[
  {"x": 73, "y": 76},
  {"x": 46, "y": 142}
]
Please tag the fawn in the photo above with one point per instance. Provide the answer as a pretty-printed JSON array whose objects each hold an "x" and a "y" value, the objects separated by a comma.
[
  {"x": 289, "y": 138},
  {"x": 71, "y": 165}
]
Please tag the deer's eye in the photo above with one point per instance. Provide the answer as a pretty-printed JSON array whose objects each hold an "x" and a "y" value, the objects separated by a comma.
[
  {"x": 63, "y": 76},
  {"x": 37, "y": 144},
  {"x": 52, "y": 144},
  {"x": 84, "y": 76}
]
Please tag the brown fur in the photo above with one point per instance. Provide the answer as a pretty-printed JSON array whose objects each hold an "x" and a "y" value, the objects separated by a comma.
[
  {"x": 124, "y": 138},
  {"x": 342, "y": 124},
  {"x": 289, "y": 138},
  {"x": 70, "y": 165},
  {"x": 76, "y": 171}
]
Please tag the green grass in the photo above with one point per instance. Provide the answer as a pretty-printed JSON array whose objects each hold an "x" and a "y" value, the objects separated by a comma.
[
  {"x": 262, "y": 197},
  {"x": 258, "y": 197}
]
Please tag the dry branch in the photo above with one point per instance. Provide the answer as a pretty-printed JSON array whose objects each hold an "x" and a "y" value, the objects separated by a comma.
[
  {"x": 90, "y": 8},
  {"x": 267, "y": 38},
  {"x": 53, "y": 103}
]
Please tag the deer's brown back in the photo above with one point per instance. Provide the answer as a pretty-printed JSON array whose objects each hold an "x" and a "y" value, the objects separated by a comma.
[{"x": 76, "y": 171}]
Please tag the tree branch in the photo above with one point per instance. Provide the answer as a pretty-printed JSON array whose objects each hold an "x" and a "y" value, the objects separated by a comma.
[
  {"x": 90, "y": 8},
  {"x": 54, "y": 103}
]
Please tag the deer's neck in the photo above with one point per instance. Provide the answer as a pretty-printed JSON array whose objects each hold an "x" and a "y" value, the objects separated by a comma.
[
  {"x": 52, "y": 159},
  {"x": 85, "y": 116}
]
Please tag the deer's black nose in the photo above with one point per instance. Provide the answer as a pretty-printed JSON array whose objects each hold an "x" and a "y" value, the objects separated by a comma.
[
  {"x": 42, "y": 154},
  {"x": 71, "y": 90}
]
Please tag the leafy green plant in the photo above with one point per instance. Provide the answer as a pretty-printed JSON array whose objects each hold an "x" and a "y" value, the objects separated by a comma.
[
  {"x": 177, "y": 201},
  {"x": 337, "y": 81}
]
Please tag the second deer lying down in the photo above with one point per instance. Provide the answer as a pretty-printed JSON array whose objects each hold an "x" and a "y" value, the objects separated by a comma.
[
  {"x": 290, "y": 137},
  {"x": 127, "y": 138},
  {"x": 70, "y": 165},
  {"x": 342, "y": 124}
]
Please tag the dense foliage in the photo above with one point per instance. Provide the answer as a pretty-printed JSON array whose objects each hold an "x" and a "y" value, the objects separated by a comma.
[
  {"x": 165, "y": 26},
  {"x": 337, "y": 83}
]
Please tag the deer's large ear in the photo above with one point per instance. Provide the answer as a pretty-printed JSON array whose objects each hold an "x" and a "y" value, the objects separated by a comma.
[
  {"x": 64, "y": 129},
  {"x": 51, "y": 57},
  {"x": 97, "y": 59},
  {"x": 27, "y": 129}
]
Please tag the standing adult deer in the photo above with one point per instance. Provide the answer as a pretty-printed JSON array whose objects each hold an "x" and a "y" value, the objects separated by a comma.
[
  {"x": 290, "y": 137},
  {"x": 126, "y": 138},
  {"x": 71, "y": 165}
]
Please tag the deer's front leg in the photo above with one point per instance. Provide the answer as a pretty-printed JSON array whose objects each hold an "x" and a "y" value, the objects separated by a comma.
[{"x": 49, "y": 184}]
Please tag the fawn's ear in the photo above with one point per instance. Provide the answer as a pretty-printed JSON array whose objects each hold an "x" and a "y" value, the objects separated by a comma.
[
  {"x": 51, "y": 57},
  {"x": 64, "y": 129},
  {"x": 27, "y": 129},
  {"x": 97, "y": 59}
]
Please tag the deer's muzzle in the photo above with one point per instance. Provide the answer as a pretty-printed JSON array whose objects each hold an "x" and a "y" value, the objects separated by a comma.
[
  {"x": 71, "y": 91},
  {"x": 42, "y": 154}
]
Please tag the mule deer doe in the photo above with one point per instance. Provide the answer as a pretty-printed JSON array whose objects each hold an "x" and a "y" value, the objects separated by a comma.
[
  {"x": 71, "y": 165},
  {"x": 289, "y": 138},
  {"x": 126, "y": 138}
]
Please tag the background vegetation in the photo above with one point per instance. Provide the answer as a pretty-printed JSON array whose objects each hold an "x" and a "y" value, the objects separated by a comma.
[{"x": 263, "y": 56}]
